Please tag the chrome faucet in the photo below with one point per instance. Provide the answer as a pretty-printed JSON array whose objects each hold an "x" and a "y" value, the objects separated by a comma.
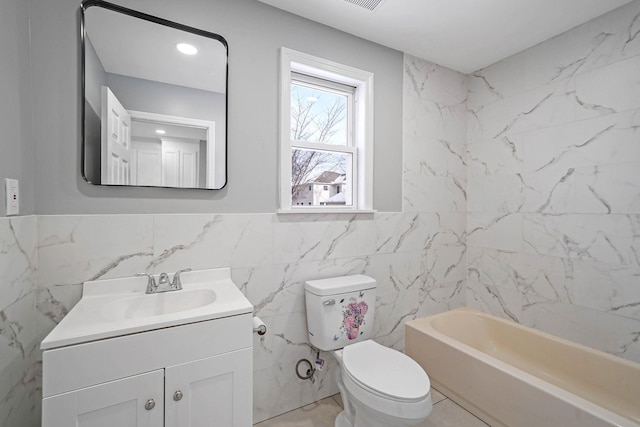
[
  {"x": 176, "y": 284},
  {"x": 163, "y": 284},
  {"x": 151, "y": 283},
  {"x": 163, "y": 279}
]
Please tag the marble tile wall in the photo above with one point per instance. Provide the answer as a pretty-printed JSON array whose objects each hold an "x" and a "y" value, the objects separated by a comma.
[
  {"x": 553, "y": 228},
  {"x": 20, "y": 382},
  {"x": 270, "y": 257}
]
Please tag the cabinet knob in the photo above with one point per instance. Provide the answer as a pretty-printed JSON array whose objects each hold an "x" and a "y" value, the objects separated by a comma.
[
  {"x": 177, "y": 395},
  {"x": 150, "y": 404}
]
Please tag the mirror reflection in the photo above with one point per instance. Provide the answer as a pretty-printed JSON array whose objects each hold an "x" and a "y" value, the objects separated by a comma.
[{"x": 154, "y": 101}]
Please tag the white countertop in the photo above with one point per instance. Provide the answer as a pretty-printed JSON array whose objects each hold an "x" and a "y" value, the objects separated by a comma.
[{"x": 93, "y": 318}]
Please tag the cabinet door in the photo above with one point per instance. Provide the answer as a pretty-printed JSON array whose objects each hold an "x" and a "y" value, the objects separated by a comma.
[
  {"x": 216, "y": 391},
  {"x": 117, "y": 403}
]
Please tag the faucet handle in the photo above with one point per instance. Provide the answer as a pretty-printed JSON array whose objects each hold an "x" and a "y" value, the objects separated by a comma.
[
  {"x": 151, "y": 282},
  {"x": 176, "y": 283}
]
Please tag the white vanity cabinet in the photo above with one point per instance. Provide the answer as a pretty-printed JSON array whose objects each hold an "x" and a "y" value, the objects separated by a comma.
[
  {"x": 198, "y": 374},
  {"x": 116, "y": 403},
  {"x": 123, "y": 357},
  {"x": 210, "y": 392}
]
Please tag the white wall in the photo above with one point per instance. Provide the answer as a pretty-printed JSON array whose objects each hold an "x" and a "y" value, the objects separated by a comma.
[
  {"x": 16, "y": 146},
  {"x": 554, "y": 190}
]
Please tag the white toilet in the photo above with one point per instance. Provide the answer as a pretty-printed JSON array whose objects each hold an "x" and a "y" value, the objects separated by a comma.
[{"x": 380, "y": 387}]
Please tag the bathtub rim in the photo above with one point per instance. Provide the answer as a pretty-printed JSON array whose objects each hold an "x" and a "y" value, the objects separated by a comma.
[{"x": 591, "y": 408}]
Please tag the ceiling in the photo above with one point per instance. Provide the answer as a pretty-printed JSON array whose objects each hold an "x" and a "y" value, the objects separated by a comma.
[
  {"x": 137, "y": 48},
  {"x": 465, "y": 35}
]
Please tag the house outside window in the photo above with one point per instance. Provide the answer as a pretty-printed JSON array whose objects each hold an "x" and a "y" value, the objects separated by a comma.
[{"x": 326, "y": 147}]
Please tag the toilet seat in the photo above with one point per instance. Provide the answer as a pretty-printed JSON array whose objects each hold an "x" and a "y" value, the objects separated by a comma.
[
  {"x": 385, "y": 371},
  {"x": 386, "y": 380}
]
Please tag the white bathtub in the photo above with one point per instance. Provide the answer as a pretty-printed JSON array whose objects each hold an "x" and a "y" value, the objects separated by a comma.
[{"x": 510, "y": 375}]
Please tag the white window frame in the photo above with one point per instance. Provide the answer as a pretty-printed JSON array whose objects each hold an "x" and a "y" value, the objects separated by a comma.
[{"x": 292, "y": 61}]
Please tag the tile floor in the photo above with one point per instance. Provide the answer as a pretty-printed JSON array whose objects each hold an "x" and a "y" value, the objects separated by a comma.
[{"x": 446, "y": 413}]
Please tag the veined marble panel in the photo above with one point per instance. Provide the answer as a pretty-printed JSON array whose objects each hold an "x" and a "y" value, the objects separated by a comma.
[
  {"x": 436, "y": 157},
  {"x": 435, "y": 135},
  {"x": 286, "y": 341},
  {"x": 413, "y": 231},
  {"x": 546, "y": 106},
  {"x": 73, "y": 249},
  {"x": 279, "y": 289},
  {"x": 603, "y": 41},
  {"x": 19, "y": 333},
  {"x": 502, "y": 231},
  {"x": 497, "y": 193},
  {"x": 434, "y": 194},
  {"x": 535, "y": 276},
  {"x": 446, "y": 264},
  {"x": 399, "y": 232},
  {"x": 277, "y": 389},
  {"x": 408, "y": 288},
  {"x": 613, "y": 239},
  {"x": 487, "y": 85},
  {"x": 428, "y": 119},
  {"x": 316, "y": 237},
  {"x": 599, "y": 189},
  {"x": 611, "y": 89},
  {"x": 610, "y": 139},
  {"x": 606, "y": 287},
  {"x": 211, "y": 241},
  {"x": 594, "y": 328},
  {"x": 18, "y": 258},
  {"x": 428, "y": 81},
  {"x": 567, "y": 280},
  {"x": 498, "y": 156}
]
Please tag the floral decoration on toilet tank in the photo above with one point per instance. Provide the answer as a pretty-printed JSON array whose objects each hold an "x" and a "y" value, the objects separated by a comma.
[{"x": 353, "y": 317}]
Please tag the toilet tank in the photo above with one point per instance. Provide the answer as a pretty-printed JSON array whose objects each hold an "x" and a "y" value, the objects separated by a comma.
[{"x": 340, "y": 310}]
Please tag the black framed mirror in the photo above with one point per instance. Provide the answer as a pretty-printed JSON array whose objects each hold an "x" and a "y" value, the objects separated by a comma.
[{"x": 154, "y": 96}]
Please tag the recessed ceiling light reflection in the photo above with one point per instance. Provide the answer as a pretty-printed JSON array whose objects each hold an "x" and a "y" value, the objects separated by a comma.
[
  {"x": 160, "y": 132},
  {"x": 187, "y": 48}
]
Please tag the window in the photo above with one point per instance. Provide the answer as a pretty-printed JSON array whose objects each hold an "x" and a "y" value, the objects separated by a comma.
[{"x": 326, "y": 130}]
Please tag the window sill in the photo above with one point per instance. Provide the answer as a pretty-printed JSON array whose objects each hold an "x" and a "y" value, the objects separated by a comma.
[{"x": 325, "y": 211}]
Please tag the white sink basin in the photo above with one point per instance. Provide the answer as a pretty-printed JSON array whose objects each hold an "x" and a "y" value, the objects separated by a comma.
[
  {"x": 116, "y": 307},
  {"x": 158, "y": 304}
]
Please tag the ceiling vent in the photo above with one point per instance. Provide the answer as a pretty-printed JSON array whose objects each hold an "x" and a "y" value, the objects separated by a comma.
[{"x": 367, "y": 4}]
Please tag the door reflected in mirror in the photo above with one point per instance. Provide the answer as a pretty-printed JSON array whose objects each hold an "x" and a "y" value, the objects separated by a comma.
[{"x": 154, "y": 101}]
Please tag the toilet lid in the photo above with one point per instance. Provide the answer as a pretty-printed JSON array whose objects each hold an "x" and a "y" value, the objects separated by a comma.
[{"x": 385, "y": 371}]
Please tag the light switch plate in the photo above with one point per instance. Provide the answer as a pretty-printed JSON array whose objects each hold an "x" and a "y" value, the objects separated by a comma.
[{"x": 12, "y": 192}]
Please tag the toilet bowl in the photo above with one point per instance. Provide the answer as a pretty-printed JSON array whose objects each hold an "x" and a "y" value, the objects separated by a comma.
[{"x": 380, "y": 387}]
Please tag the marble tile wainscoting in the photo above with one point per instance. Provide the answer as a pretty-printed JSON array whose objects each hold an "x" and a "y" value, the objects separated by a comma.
[
  {"x": 20, "y": 380},
  {"x": 270, "y": 258},
  {"x": 554, "y": 190}
]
